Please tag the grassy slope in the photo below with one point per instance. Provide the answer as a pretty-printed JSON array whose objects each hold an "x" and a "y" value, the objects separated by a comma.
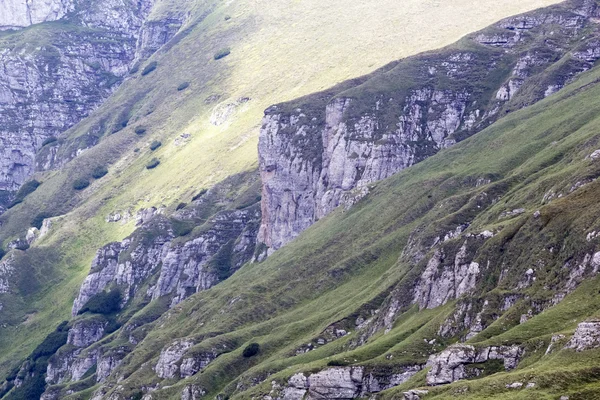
[
  {"x": 280, "y": 50},
  {"x": 347, "y": 259}
]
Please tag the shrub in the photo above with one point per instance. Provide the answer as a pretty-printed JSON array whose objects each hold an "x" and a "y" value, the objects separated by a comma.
[
  {"x": 155, "y": 145},
  {"x": 337, "y": 363},
  {"x": 180, "y": 206},
  {"x": 222, "y": 53},
  {"x": 25, "y": 190},
  {"x": 140, "y": 130},
  {"x": 99, "y": 172},
  {"x": 103, "y": 303},
  {"x": 153, "y": 163},
  {"x": 81, "y": 183},
  {"x": 251, "y": 350},
  {"x": 52, "y": 342},
  {"x": 181, "y": 228},
  {"x": 38, "y": 220},
  {"x": 122, "y": 120},
  {"x": 135, "y": 69},
  {"x": 200, "y": 194},
  {"x": 183, "y": 86},
  {"x": 49, "y": 140},
  {"x": 149, "y": 68}
]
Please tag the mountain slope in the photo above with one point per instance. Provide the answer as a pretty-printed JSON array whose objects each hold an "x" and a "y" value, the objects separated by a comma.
[
  {"x": 355, "y": 278},
  {"x": 471, "y": 273},
  {"x": 207, "y": 118}
]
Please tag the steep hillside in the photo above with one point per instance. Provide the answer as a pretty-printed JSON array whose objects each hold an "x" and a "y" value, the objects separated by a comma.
[
  {"x": 431, "y": 257},
  {"x": 182, "y": 116},
  {"x": 479, "y": 263},
  {"x": 470, "y": 271}
]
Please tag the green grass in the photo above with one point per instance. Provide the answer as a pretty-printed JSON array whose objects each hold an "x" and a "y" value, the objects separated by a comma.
[
  {"x": 348, "y": 259},
  {"x": 278, "y": 53}
]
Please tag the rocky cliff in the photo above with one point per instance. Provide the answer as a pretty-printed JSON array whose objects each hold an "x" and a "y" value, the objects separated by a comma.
[
  {"x": 162, "y": 263},
  {"x": 19, "y": 14},
  {"x": 85, "y": 58},
  {"x": 324, "y": 150}
]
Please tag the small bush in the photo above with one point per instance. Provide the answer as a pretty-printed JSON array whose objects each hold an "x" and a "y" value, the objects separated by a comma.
[
  {"x": 134, "y": 69},
  {"x": 81, "y": 183},
  {"x": 337, "y": 363},
  {"x": 149, "y": 68},
  {"x": 200, "y": 194},
  {"x": 140, "y": 130},
  {"x": 103, "y": 303},
  {"x": 52, "y": 342},
  {"x": 181, "y": 228},
  {"x": 99, "y": 172},
  {"x": 251, "y": 350},
  {"x": 153, "y": 163},
  {"x": 155, "y": 145},
  {"x": 38, "y": 220},
  {"x": 222, "y": 53},
  {"x": 25, "y": 190},
  {"x": 49, "y": 140},
  {"x": 180, "y": 206},
  {"x": 183, "y": 86}
]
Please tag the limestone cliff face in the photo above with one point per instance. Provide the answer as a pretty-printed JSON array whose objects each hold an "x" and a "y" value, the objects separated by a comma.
[
  {"x": 182, "y": 269},
  {"x": 324, "y": 150},
  {"x": 85, "y": 61},
  {"x": 19, "y": 13}
]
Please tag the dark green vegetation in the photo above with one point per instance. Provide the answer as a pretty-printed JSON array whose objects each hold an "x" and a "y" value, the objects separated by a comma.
[
  {"x": 153, "y": 163},
  {"x": 25, "y": 190},
  {"x": 99, "y": 172},
  {"x": 149, "y": 68},
  {"x": 33, "y": 374},
  {"x": 103, "y": 303},
  {"x": 155, "y": 145},
  {"x": 81, "y": 183},
  {"x": 251, "y": 350},
  {"x": 222, "y": 53}
]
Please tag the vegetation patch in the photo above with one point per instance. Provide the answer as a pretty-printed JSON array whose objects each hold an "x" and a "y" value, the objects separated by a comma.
[
  {"x": 251, "y": 350},
  {"x": 25, "y": 190},
  {"x": 99, "y": 172},
  {"x": 149, "y": 68},
  {"x": 103, "y": 303},
  {"x": 155, "y": 145},
  {"x": 224, "y": 52},
  {"x": 49, "y": 140},
  {"x": 153, "y": 163},
  {"x": 81, "y": 183}
]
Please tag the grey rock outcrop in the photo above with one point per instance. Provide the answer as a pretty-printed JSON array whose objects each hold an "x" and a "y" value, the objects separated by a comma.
[
  {"x": 451, "y": 364},
  {"x": 85, "y": 67},
  {"x": 168, "y": 362},
  {"x": 85, "y": 333},
  {"x": 586, "y": 336},
  {"x": 182, "y": 268},
  {"x": 342, "y": 383},
  {"x": 316, "y": 151},
  {"x": 439, "y": 284},
  {"x": 19, "y": 13}
]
